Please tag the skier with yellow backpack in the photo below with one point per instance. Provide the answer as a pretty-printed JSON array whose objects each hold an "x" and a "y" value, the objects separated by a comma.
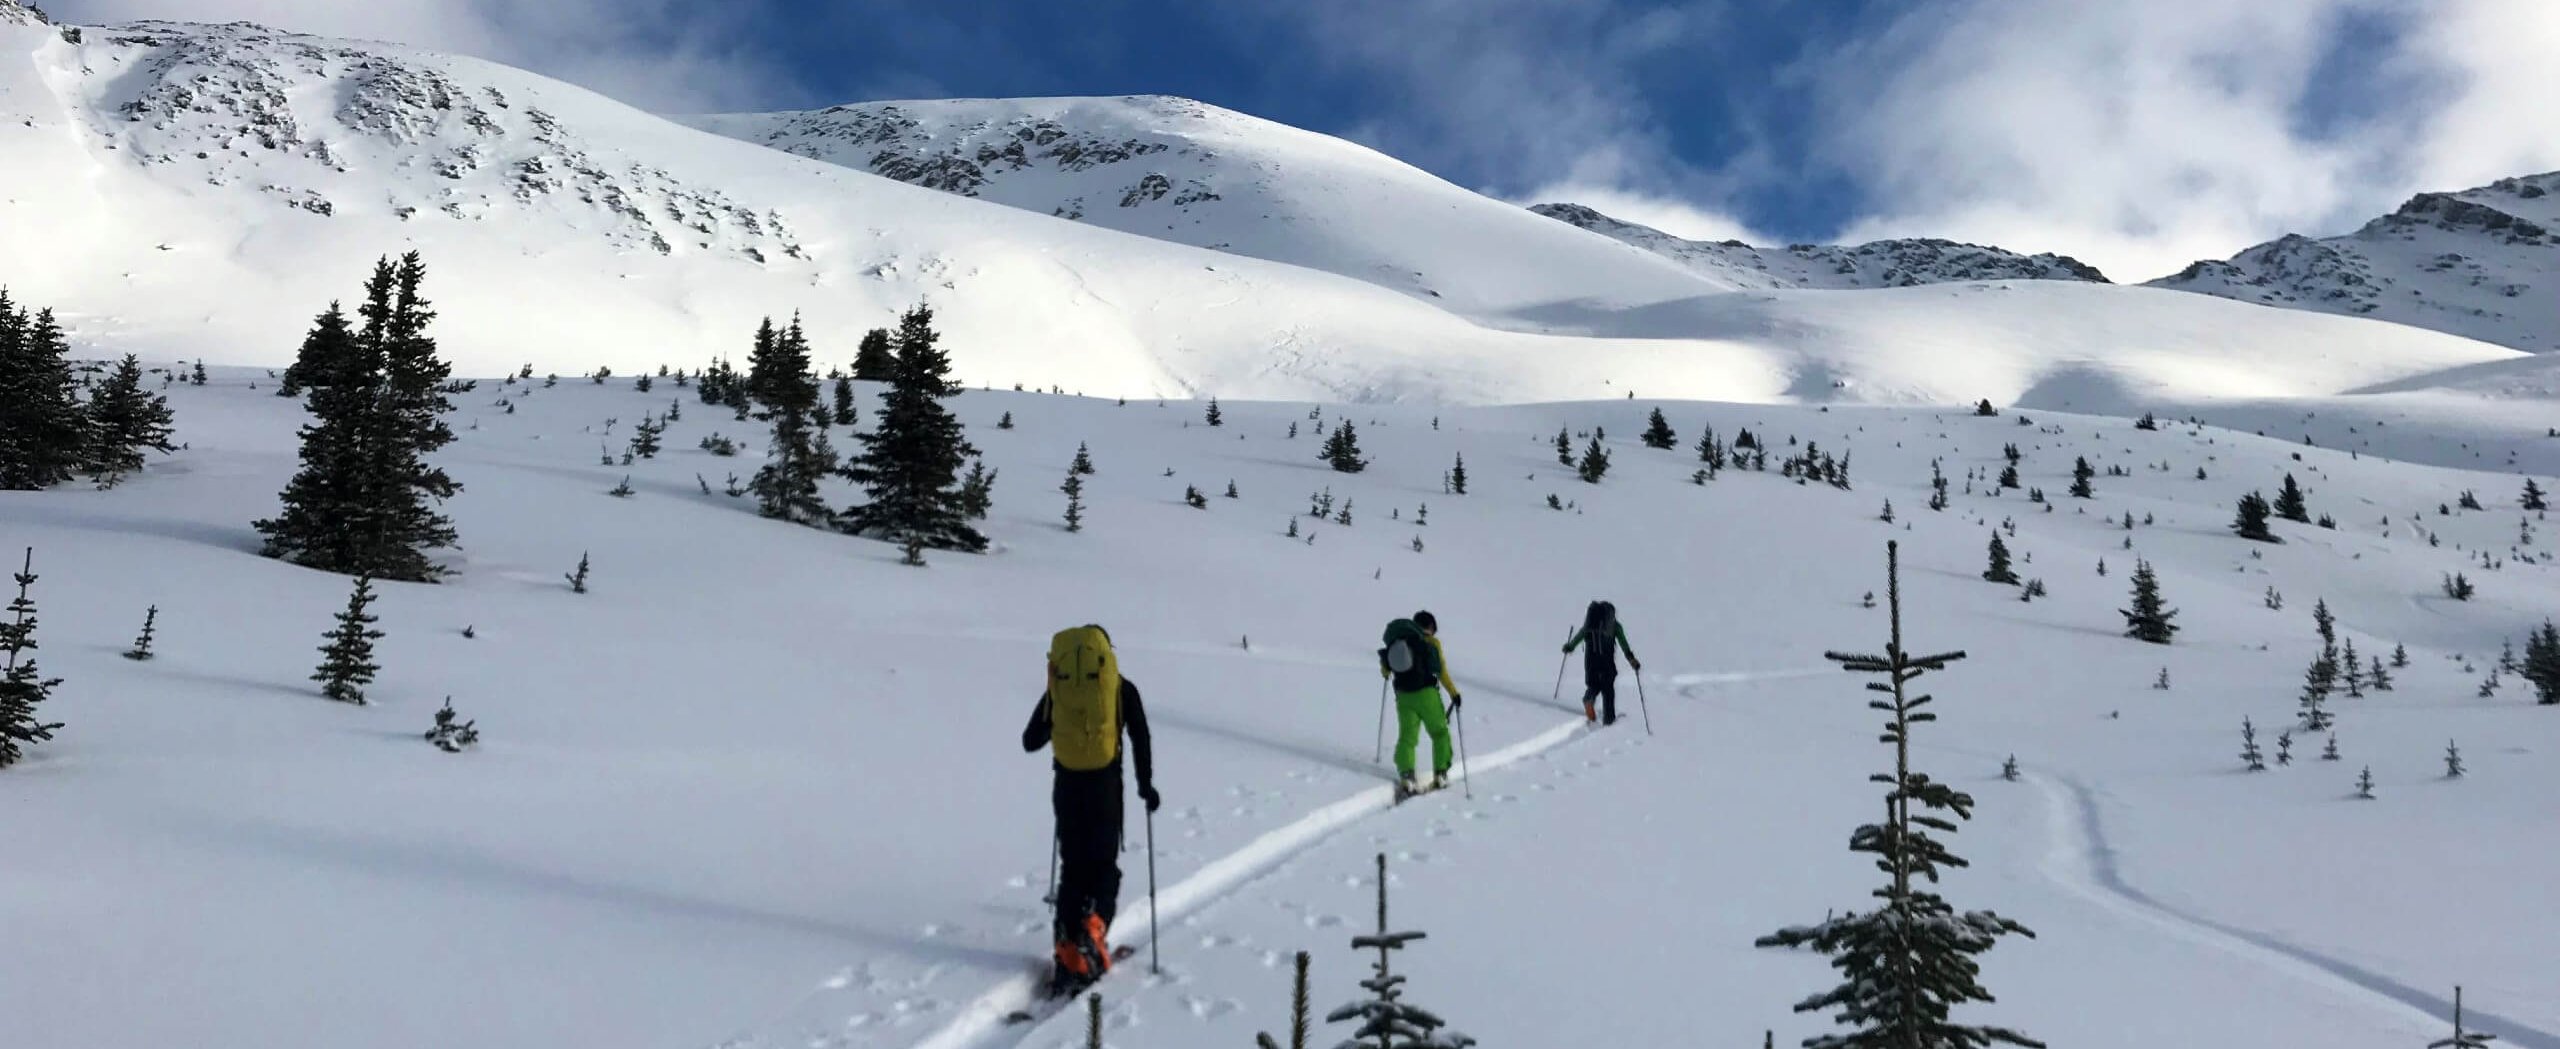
[{"x": 1081, "y": 718}]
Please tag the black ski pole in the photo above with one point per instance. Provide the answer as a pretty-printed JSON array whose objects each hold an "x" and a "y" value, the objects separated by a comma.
[
  {"x": 1560, "y": 662},
  {"x": 1640, "y": 703},
  {"x": 1464, "y": 780},
  {"x": 1052, "y": 897},
  {"x": 1155, "y": 957},
  {"x": 1382, "y": 722}
]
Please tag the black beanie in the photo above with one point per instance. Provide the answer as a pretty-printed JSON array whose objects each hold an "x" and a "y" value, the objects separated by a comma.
[{"x": 1426, "y": 621}]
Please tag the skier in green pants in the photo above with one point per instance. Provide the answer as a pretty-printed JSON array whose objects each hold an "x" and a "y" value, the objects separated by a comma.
[{"x": 1413, "y": 662}]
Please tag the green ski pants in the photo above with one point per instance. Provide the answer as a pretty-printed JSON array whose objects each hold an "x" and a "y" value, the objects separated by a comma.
[{"x": 1420, "y": 708}]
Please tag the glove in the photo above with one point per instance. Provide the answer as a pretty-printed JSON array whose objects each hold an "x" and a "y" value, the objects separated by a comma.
[
  {"x": 1568, "y": 648},
  {"x": 1631, "y": 661},
  {"x": 1147, "y": 793},
  {"x": 1455, "y": 701}
]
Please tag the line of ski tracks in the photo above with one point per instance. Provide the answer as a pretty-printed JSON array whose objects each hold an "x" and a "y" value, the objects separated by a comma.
[{"x": 2082, "y": 860}]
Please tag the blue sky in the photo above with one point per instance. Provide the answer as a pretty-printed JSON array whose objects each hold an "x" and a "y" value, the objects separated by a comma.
[{"x": 2135, "y": 134}]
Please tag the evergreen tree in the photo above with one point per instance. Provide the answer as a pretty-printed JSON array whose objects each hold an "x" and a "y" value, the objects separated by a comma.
[
  {"x": 1710, "y": 451},
  {"x": 874, "y": 360},
  {"x": 2533, "y": 496},
  {"x": 2147, "y": 422},
  {"x": 2323, "y": 623},
  {"x": 451, "y": 736},
  {"x": 346, "y": 662},
  {"x": 1084, "y": 461},
  {"x": 1191, "y": 497},
  {"x": 1458, "y": 476},
  {"x": 1906, "y": 964},
  {"x": 2009, "y": 476},
  {"x": 1386, "y": 1020},
  {"x": 1657, "y": 432},
  {"x": 1937, "y": 486},
  {"x": 1595, "y": 463},
  {"x": 848, "y": 415},
  {"x": 2452, "y": 760},
  {"x": 2080, "y": 475},
  {"x": 123, "y": 421},
  {"x": 23, "y": 688},
  {"x": 43, "y": 431},
  {"x": 1074, "y": 487},
  {"x": 642, "y": 384},
  {"x": 578, "y": 579},
  {"x": 644, "y": 437},
  {"x": 1231, "y": 488},
  {"x": 771, "y": 378},
  {"x": 1214, "y": 416},
  {"x": 324, "y": 356},
  {"x": 1342, "y": 450},
  {"x": 2289, "y": 504},
  {"x": 142, "y": 644},
  {"x": 1887, "y": 515},
  {"x": 2458, "y": 587},
  {"x": 1564, "y": 448},
  {"x": 2252, "y": 522},
  {"x": 1999, "y": 571},
  {"x": 2351, "y": 670},
  {"x": 910, "y": 464},
  {"x": 2462, "y": 1039},
  {"x": 2379, "y": 678},
  {"x": 2284, "y": 748},
  {"x": 2317, "y": 681},
  {"x": 1299, "y": 1025},
  {"x": 798, "y": 455},
  {"x": 2542, "y": 663},
  {"x": 2149, "y": 618},
  {"x": 196, "y": 377},
  {"x": 2256, "y": 759},
  {"x": 2467, "y": 500},
  {"x": 977, "y": 491},
  {"x": 2399, "y": 655},
  {"x": 1005, "y": 423},
  {"x": 2329, "y": 749},
  {"x": 1983, "y": 407},
  {"x": 2364, "y": 783}
]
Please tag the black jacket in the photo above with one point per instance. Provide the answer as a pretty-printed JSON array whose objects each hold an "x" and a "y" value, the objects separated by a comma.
[{"x": 1133, "y": 724}]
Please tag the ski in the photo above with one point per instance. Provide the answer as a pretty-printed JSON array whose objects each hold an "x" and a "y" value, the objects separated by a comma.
[{"x": 1065, "y": 996}]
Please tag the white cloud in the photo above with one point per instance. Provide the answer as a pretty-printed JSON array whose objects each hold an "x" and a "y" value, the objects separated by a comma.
[
  {"x": 2140, "y": 137},
  {"x": 665, "y": 55}
]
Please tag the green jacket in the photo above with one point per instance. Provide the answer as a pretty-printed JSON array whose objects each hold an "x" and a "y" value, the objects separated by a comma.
[
  {"x": 1432, "y": 664},
  {"x": 1601, "y": 653}
]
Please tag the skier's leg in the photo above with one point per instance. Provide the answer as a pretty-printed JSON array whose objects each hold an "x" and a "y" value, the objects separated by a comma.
[
  {"x": 1590, "y": 690},
  {"x": 1436, "y": 719},
  {"x": 1609, "y": 701},
  {"x": 1408, "y": 728},
  {"x": 1109, "y": 832}
]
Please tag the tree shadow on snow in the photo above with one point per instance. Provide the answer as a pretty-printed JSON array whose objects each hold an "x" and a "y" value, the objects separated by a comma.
[{"x": 239, "y": 538}]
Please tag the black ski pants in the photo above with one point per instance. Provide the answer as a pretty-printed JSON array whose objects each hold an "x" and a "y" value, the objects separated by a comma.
[
  {"x": 1605, "y": 687},
  {"x": 1088, "y": 806}
]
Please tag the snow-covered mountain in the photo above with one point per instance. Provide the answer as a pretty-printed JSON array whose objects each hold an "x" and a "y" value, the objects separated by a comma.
[
  {"x": 1878, "y": 264},
  {"x": 204, "y": 190},
  {"x": 2482, "y": 263}
]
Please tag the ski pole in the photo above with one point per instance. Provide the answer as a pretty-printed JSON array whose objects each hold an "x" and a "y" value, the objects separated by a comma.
[
  {"x": 1464, "y": 780},
  {"x": 1560, "y": 662},
  {"x": 1155, "y": 958},
  {"x": 1382, "y": 722},
  {"x": 1641, "y": 705},
  {"x": 1052, "y": 897}
]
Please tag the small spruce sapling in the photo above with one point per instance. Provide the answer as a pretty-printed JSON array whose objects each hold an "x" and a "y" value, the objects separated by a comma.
[
  {"x": 1999, "y": 571},
  {"x": 1594, "y": 464},
  {"x": 2533, "y": 496},
  {"x": 1386, "y": 1020},
  {"x": 622, "y": 490},
  {"x": 1342, "y": 450},
  {"x": 2452, "y": 760},
  {"x": 1191, "y": 497},
  {"x": 578, "y": 579},
  {"x": 2161, "y": 683},
  {"x": 2009, "y": 769},
  {"x": 1299, "y": 1011},
  {"x": 23, "y": 688},
  {"x": 2329, "y": 749},
  {"x": 2252, "y": 758},
  {"x": 2399, "y": 656},
  {"x": 1074, "y": 487},
  {"x": 1887, "y": 515},
  {"x": 2364, "y": 783},
  {"x": 1005, "y": 423},
  {"x": 451, "y": 736},
  {"x": 142, "y": 644},
  {"x": 2080, "y": 475},
  {"x": 346, "y": 660},
  {"x": 1084, "y": 461},
  {"x": 2458, "y": 587},
  {"x": 2284, "y": 747},
  {"x": 2467, "y": 500},
  {"x": 1213, "y": 416},
  {"x": 2289, "y": 503}
]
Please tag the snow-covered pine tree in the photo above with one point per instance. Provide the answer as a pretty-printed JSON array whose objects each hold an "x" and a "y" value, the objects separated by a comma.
[
  {"x": 1999, "y": 571},
  {"x": 2080, "y": 475},
  {"x": 2351, "y": 670},
  {"x": 643, "y": 384},
  {"x": 22, "y": 688},
  {"x": 346, "y": 661},
  {"x": 2033, "y": 589},
  {"x": 196, "y": 376},
  {"x": 2329, "y": 749},
  {"x": 123, "y": 422},
  {"x": 2255, "y": 760},
  {"x": 1213, "y": 415},
  {"x": 2462, "y": 1039},
  {"x": 2149, "y": 618},
  {"x": 644, "y": 437},
  {"x": 142, "y": 643},
  {"x": 43, "y": 430},
  {"x": 2458, "y": 587},
  {"x": 1074, "y": 487},
  {"x": 451, "y": 736},
  {"x": 2533, "y": 496},
  {"x": 2009, "y": 769},
  {"x": 2317, "y": 682},
  {"x": 910, "y": 463},
  {"x": 1458, "y": 476},
  {"x": 1887, "y": 515},
  {"x": 2467, "y": 500},
  {"x": 2147, "y": 422},
  {"x": 2452, "y": 760},
  {"x": 1594, "y": 464},
  {"x": 1657, "y": 432},
  {"x": 2252, "y": 520},
  {"x": 1937, "y": 487},
  {"x": 2284, "y": 747},
  {"x": 578, "y": 579},
  {"x": 2364, "y": 783},
  {"x": 1342, "y": 450},
  {"x": 2324, "y": 623},
  {"x": 2289, "y": 503},
  {"x": 1299, "y": 1010},
  {"x": 2542, "y": 663},
  {"x": 2380, "y": 679},
  {"x": 2399, "y": 656},
  {"x": 675, "y": 410},
  {"x": 978, "y": 491},
  {"x": 1564, "y": 448},
  {"x": 873, "y": 358},
  {"x": 2009, "y": 476},
  {"x": 1083, "y": 463},
  {"x": 1387, "y": 1021},
  {"x": 1983, "y": 408},
  {"x": 1909, "y": 962},
  {"x": 1344, "y": 518},
  {"x": 1710, "y": 451},
  {"x": 798, "y": 455},
  {"x": 847, "y": 414},
  {"x": 1191, "y": 497},
  {"x": 2273, "y": 599}
]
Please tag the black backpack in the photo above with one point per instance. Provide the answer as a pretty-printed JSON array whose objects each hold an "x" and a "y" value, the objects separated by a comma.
[{"x": 1600, "y": 632}]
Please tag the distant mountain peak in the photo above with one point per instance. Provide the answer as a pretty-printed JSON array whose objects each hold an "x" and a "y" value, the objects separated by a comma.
[{"x": 1876, "y": 264}]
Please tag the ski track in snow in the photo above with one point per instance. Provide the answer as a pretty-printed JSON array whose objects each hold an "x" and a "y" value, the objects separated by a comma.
[
  {"x": 2082, "y": 860},
  {"x": 981, "y": 1021}
]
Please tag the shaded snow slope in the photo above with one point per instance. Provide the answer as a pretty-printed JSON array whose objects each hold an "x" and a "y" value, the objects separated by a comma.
[
  {"x": 760, "y": 787},
  {"x": 1877, "y": 264},
  {"x": 2482, "y": 263},
  {"x": 1191, "y": 173}
]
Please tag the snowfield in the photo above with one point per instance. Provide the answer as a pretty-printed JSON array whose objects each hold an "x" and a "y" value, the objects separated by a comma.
[{"x": 761, "y": 787}]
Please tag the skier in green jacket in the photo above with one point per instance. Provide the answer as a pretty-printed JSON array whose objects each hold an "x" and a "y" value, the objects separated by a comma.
[
  {"x": 1412, "y": 660},
  {"x": 1600, "y": 664}
]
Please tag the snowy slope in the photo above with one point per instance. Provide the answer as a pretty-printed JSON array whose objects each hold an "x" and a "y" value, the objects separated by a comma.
[
  {"x": 1877, "y": 264},
  {"x": 202, "y": 191},
  {"x": 1192, "y": 173},
  {"x": 2483, "y": 263},
  {"x": 760, "y": 787}
]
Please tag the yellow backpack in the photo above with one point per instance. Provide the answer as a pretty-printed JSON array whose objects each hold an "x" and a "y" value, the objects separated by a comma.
[{"x": 1084, "y": 699}]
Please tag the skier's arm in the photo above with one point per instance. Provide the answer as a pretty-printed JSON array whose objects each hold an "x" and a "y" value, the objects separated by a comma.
[
  {"x": 1036, "y": 734},
  {"x": 1623, "y": 646},
  {"x": 1575, "y": 641},
  {"x": 1133, "y": 720},
  {"x": 1440, "y": 656}
]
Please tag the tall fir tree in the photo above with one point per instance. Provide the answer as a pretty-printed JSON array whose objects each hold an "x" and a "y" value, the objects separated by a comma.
[
  {"x": 1657, "y": 432},
  {"x": 124, "y": 421},
  {"x": 2009, "y": 476},
  {"x": 875, "y": 360},
  {"x": 1564, "y": 448},
  {"x": 797, "y": 455},
  {"x": 1458, "y": 476},
  {"x": 1710, "y": 451},
  {"x": 1908, "y": 963},
  {"x": 2149, "y": 618},
  {"x": 23, "y": 688},
  {"x": 43, "y": 429},
  {"x": 1074, "y": 487},
  {"x": 2533, "y": 496},
  {"x": 2542, "y": 663},
  {"x": 2252, "y": 520},
  {"x": 847, "y": 414},
  {"x": 1342, "y": 450},
  {"x": 978, "y": 491},
  {"x": 910, "y": 463},
  {"x": 1213, "y": 415},
  {"x": 2318, "y": 680},
  {"x": 1594, "y": 464},
  {"x": 2081, "y": 472},
  {"x": 1083, "y": 463},
  {"x": 2289, "y": 503},
  {"x": 346, "y": 661},
  {"x": 1999, "y": 570}
]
